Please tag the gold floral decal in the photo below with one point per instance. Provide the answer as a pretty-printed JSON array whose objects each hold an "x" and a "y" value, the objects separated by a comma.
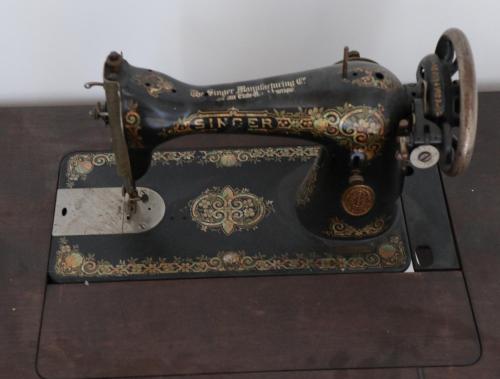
[
  {"x": 154, "y": 83},
  {"x": 357, "y": 128},
  {"x": 339, "y": 229},
  {"x": 236, "y": 157},
  {"x": 229, "y": 209},
  {"x": 371, "y": 79},
  {"x": 178, "y": 158},
  {"x": 71, "y": 262},
  {"x": 307, "y": 187},
  {"x": 80, "y": 165},
  {"x": 132, "y": 124}
]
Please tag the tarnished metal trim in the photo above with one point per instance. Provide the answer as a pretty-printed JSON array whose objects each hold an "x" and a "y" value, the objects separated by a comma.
[{"x": 101, "y": 211}]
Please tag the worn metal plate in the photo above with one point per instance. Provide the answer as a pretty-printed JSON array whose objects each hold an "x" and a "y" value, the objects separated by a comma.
[{"x": 101, "y": 211}]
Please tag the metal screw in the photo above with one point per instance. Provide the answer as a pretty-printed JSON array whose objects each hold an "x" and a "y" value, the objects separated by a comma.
[
  {"x": 424, "y": 156},
  {"x": 353, "y": 54}
]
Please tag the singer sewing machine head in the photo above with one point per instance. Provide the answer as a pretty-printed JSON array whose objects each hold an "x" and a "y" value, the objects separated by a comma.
[{"x": 370, "y": 133}]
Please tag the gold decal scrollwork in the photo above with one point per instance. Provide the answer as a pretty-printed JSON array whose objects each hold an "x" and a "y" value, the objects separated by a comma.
[
  {"x": 132, "y": 125},
  {"x": 339, "y": 229},
  {"x": 357, "y": 128},
  {"x": 369, "y": 78},
  {"x": 308, "y": 186},
  {"x": 80, "y": 165},
  {"x": 71, "y": 262},
  {"x": 154, "y": 83},
  {"x": 229, "y": 209}
]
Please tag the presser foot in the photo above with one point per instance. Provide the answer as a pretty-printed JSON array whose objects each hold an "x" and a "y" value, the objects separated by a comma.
[{"x": 132, "y": 199}]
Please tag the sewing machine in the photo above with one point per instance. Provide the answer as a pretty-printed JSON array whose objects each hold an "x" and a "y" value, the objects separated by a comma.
[{"x": 333, "y": 203}]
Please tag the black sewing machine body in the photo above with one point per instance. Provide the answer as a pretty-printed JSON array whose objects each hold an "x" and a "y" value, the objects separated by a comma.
[
  {"x": 354, "y": 118},
  {"x": 331, "y": 206}
]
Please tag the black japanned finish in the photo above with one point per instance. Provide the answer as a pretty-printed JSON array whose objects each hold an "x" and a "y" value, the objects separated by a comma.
[{"x": 354, "y": 117}]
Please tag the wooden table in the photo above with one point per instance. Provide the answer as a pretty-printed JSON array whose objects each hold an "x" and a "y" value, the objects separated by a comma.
[{"x": 425, "y": 325}]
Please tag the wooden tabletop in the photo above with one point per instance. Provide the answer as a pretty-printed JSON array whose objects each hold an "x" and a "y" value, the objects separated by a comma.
[{"x": 425, "y": 325}]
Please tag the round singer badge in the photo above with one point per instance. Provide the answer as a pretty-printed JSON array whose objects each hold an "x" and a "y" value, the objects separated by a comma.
[{"x": 358, "y": 199}]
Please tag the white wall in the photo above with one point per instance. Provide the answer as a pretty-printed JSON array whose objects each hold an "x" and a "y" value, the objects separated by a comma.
[{"x": 49, "y": 48}]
